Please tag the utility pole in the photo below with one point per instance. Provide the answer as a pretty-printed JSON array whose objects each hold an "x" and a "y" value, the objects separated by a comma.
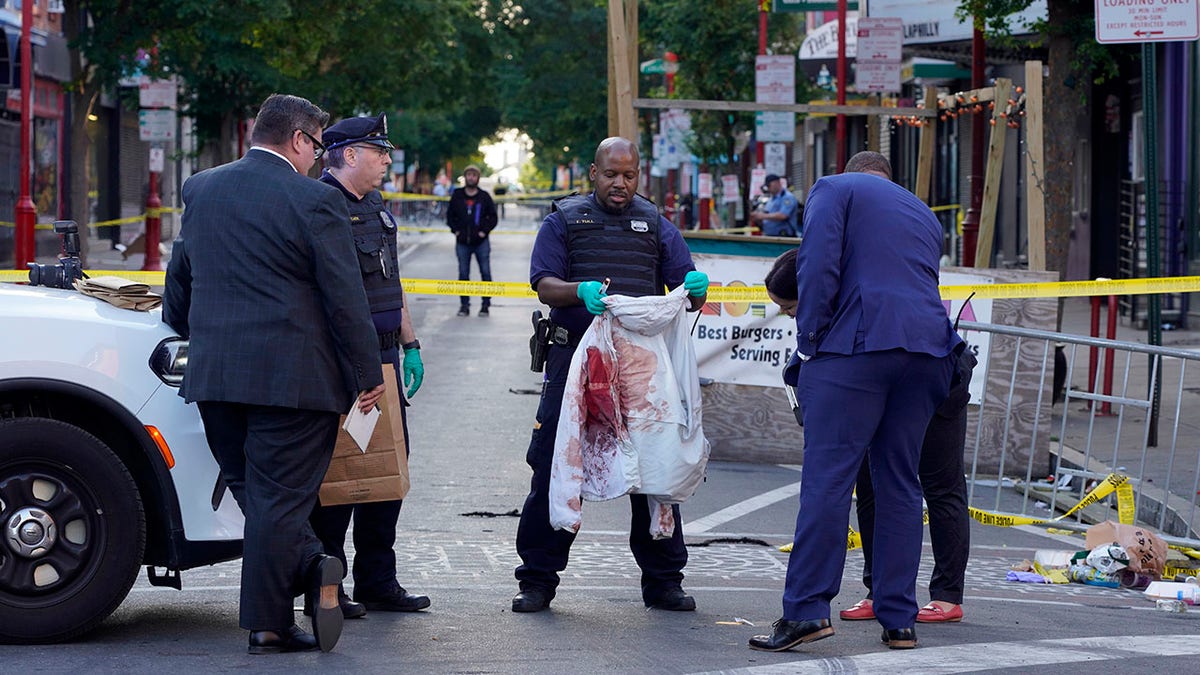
[{"x": 26, "y": 215}]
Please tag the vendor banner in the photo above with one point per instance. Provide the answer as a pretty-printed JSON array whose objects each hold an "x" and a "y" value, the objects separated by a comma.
[{"x": 750, "y": 342}]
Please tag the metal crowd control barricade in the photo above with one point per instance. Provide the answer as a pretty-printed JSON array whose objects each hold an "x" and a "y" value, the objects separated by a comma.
[{"x": 1085, "y": 446}]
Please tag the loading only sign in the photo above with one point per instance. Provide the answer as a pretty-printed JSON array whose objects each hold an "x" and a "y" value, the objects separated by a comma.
[{"x": 1147, "y": 20}]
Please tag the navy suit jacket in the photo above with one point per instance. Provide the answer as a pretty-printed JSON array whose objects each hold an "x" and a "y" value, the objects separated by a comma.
[
  {"x": 264, "y": 282},
  {"x": 867, "y": 271}
]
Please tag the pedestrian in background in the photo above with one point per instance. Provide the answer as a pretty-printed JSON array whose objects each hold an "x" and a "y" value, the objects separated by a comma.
[
  {"x": 781, "y": 213},
  {"x": 264, "y": 259},
  {"x": 471, "y": 216},
  {"x": 357, "y": 159},
  {"x": 613, "y": 234},
  {"x": 943, "y": 481},
  {"x": 878, "y": 354}
]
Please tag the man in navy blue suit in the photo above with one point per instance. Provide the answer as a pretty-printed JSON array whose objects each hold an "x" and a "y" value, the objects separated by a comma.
[{"x": 878, "y": 352}]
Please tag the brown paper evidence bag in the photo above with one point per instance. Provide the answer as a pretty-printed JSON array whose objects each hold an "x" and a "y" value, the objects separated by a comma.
[{"x": 379, "y": 474}]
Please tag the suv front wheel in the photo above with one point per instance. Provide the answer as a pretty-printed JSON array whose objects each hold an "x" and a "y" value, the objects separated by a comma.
[{"x": 72, "y": 531}]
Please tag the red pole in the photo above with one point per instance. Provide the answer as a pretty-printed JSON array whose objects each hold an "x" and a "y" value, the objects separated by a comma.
[
  {"x": 26, "y": 214},
  {"x": 970, "y": 235},
  {"x": 153, "y": 259},
  {"x": 1093, "y": 352},
  {"x": 841, "y": 85}
]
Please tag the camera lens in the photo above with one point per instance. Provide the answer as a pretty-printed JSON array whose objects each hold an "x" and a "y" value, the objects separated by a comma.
[{"x": 35, "y": 274}]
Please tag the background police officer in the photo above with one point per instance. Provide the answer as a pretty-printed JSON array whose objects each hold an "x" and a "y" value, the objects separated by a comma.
[
  {"x": 357, "y": 158},
  {"x": 780, "y": 216},
  {"x": 612, "y": 234}
]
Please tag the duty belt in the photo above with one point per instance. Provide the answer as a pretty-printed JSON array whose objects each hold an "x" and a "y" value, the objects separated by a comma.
[{"x": 389, "y": 340}]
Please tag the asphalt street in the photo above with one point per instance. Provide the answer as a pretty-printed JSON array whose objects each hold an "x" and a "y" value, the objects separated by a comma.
[{"x": 470, "y": 426}]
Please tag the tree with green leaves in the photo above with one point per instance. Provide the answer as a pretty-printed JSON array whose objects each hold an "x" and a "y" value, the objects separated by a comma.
[{"x": 716, "y": 44}]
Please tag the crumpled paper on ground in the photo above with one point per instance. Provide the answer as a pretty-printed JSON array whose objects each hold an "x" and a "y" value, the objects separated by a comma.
[{"x": 120, "y": 292}]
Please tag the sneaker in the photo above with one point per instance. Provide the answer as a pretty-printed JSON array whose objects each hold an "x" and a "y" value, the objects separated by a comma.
[
  {"x": 464, "y": 311},
  {"x": 483, "y": 311}
]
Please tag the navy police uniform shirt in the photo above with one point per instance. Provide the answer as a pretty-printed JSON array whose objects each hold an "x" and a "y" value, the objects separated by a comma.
[{"x": 550, "y": 259}]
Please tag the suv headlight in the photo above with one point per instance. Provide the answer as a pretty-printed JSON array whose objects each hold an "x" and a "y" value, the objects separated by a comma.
[{"x": 169, "y": 360}]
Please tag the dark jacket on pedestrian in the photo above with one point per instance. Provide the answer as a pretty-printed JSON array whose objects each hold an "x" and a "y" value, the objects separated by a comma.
[{"x": 471, "y": 217}]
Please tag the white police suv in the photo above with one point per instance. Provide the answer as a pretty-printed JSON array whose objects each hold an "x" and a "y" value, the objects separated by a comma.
[{"x": 103, "y": 467}]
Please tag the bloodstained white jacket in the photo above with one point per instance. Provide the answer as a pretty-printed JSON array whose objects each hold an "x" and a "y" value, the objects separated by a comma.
[{"x": 630, "y": 418}]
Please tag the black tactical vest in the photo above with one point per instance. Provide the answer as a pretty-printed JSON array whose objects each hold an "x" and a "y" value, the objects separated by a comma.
[
  {"x": 622, "y": 247},
  {"x": 375, "y": 239}
]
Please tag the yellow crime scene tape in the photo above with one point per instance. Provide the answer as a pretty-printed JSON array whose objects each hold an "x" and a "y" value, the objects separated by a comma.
[
  {"x": 511, "y": 289},
  {"x": 1114, "y": 482}
]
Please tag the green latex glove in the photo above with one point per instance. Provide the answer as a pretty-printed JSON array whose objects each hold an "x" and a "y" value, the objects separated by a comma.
[
  {"x": 696, "y": 283},
  {"x": 413, "y": 370},
  {"x": 592, "y": 295}
]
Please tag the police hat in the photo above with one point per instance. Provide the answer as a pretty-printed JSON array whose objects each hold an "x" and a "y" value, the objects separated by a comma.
[
  {"x": 766, "y": 181},
  {"x": 372, "y": 130}
]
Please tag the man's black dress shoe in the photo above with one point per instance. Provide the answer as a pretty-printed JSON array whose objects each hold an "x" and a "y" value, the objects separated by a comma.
[
  {"x": 530, "y": 600},
  {"x": 674, "y": 600},
  {"x": 900, "y": 638},
  {"x": 395, "y": 600},
  {"x": 350, "y": 608},
  {"x": 787, "y": 634},
  {"x": 325, "y": 577},
  {"x": 271, "y": 642}
]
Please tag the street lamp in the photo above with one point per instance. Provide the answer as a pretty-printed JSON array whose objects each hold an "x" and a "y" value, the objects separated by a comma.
[{"x": 26, "y": 214}]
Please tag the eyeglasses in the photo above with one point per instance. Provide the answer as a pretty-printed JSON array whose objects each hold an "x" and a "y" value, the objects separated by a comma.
[
  {"x": 318, "y": 146},
  {"x": 382, "y": 151}
]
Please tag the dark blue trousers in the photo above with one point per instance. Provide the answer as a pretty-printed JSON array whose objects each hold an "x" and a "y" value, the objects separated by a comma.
[
  {"x": 374, "y": 566},
  {"x": 881, "y": 401},
  {"x": 945, "y": 489},
  {"x": 544, "y": 551},
  {"x": 273, "y": 460}
]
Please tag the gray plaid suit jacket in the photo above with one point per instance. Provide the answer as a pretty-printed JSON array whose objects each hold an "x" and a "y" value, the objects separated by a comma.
[{"x": 264, "y": 282}]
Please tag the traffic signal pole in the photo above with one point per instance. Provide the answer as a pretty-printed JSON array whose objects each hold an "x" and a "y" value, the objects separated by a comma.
[{"x": 26, "y": 215}]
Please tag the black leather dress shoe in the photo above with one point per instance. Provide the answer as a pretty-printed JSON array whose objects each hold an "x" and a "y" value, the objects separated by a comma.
[
  {"x": 900, "y": 638},
  {"x": 530, "y": 600},
  {"x": 787, "y": 634},
  {"x": 271, "y": 642},
  {"x": 674, "y": 600},
  {"x": 350, "y": 608},
  {"x": 325, "y": 577},
  {"x": 395, "y": 600}
]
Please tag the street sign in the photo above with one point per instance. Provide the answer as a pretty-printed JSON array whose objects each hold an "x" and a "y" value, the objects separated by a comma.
[
  {"x": 704, "y": 185},
  {"x": 775, "y": 126},
  {"x": 157, "y": 159},
  {"x": 775, "y": 159},
  {"x": 1145, "y": 21},
  {"x": 880, "y": 38},
  {"x": 156, "y": 93},
  {"x": 877, "y": 60},
  {"x": 811, "y": 6},
  {"x": 659, "y": 67},
  {"x": 156, "y": 125}
]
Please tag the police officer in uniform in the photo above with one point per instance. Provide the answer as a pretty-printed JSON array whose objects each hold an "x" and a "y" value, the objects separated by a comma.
[
  {"x": 613, "y": 234},
  {"x": 357, "y": 159}
]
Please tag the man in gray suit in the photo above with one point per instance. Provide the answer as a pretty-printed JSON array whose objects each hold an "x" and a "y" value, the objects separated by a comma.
[{"x": 262, "y": 281}]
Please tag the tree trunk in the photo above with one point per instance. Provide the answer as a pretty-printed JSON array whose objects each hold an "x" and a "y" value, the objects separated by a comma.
[
  {"x": 81, "y": 95},
  {"x": 1060, "y": 140}
]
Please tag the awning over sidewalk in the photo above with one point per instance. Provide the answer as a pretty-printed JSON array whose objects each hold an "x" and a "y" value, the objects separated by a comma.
[{"x": 51, "y": 57}]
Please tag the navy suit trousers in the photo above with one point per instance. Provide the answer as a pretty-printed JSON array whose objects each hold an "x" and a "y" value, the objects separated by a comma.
[
  {"x": 544, "y": 550},
  {"x": 945, "y": 489},
  {"x": 273, "y": 460},
  {"x": 876, "y": 402},
  {"x": 374, "y": 568}
]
